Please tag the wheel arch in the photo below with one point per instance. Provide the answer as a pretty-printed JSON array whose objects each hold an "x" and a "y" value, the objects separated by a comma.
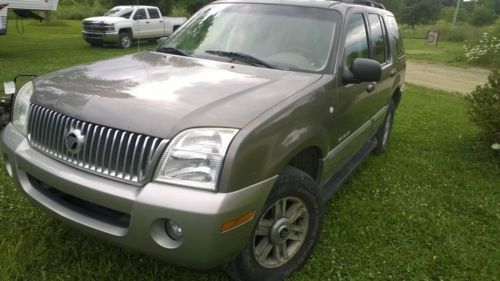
[{"x": 127, "y": 30}]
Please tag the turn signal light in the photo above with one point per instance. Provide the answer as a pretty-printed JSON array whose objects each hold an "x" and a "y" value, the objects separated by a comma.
[{"x": 237, "y": 222}]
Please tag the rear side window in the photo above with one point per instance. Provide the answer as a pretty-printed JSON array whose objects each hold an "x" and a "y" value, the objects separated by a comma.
[
  {"x": 356, "y": 42},
  {"x": 379, "y": 44},
  {"x": 395, "y": 36},
  {"x": 153, "y": 14}
]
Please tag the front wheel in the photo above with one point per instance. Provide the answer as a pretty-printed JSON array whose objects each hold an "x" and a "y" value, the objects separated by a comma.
[
  {"x": 124, "y": 40},
  {"x": 285, "y": 233}
]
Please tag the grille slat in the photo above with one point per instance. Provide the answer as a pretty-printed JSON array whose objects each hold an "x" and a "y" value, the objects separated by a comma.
[{"x": 105, "y": 151}]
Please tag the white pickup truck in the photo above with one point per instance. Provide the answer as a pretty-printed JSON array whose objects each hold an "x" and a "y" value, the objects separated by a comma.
[{"x": 123, "y": 24}]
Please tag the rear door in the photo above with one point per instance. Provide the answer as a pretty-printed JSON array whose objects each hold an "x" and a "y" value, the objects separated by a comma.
[
  {"x": 157, "y": 26},
  {"x": 380, "y": 51}
]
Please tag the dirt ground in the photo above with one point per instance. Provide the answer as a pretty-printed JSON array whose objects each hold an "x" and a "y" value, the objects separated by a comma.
[{"x": 444, "y": 77}]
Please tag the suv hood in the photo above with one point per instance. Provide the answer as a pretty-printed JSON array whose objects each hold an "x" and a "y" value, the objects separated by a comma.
[
  {"x": 160, "y": 95},
  {"x": 105, "y": 19}
]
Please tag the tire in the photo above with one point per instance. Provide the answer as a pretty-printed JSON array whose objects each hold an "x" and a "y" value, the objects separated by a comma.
[
  {"x": 301, "y": 193},
  {"x": 124, "y": 40},
  {"x": 384, "y": 133}
]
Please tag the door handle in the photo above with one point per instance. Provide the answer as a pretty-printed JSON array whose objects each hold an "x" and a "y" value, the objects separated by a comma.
[
  {"x": 394, "y": 72},
  {"x": 371, "y": 87},
  {"x": 147, "y": 22}
]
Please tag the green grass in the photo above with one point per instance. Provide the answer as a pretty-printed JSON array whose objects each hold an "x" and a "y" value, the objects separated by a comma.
[
  {"x": 451, "y": 53},
  {"x": 428, "y": 209},
  {"x": 42, "y": 49}
]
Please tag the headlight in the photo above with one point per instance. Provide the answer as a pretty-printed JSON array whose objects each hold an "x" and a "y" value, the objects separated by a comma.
[
  {"x": 21, "y": 107},
  {"x": 194, "y": 158},
  {"x": 109, "y": 27}
]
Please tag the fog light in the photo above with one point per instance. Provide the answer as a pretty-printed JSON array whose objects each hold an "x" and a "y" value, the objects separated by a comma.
[
  {"x": 8, "y": 166},
  {"x": 173, "y": 230}
]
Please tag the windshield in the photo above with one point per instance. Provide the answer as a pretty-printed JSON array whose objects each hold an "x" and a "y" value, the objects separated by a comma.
[
  {"x": 291, "y": 37},
  {"x": 119, "y": 12}
]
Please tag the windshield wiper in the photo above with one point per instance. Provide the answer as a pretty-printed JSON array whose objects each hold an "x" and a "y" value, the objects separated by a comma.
[
  {"x": 241, "y": 57},
  {"x": 172, "y": 50}
]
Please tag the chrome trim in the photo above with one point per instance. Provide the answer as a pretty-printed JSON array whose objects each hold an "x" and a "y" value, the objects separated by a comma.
[{"x": 100, "y": 153}]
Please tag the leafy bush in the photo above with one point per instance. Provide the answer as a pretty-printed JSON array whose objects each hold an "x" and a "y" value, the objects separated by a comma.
[
  {"x": 483, "y": 106},
  {"x": 486, "y": 51}
]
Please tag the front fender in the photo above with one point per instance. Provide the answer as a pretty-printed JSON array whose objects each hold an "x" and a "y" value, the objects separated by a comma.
[{"x": 266, "y": 145}]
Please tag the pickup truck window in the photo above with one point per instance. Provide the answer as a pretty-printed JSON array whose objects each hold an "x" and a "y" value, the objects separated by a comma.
[
  {"x": 140, "y": 15},
  {"x": 356, "y": 42},
  {"x": 153, "y": 14},
  {"x": 281, "y": 36}
]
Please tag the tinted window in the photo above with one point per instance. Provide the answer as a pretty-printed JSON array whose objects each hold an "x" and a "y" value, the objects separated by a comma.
[
  {"x": 395, "y": 36},
  {"x": 356, "y": 42},
  {"x": 378, "y": 38},
  {"x": 153, "y": 14},
  {"x": 140, "y": 14}
]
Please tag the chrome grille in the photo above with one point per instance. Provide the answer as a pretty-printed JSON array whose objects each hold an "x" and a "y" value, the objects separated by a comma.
[
  {"x": 94, "y": 27},
  {"x": 113, "y": 153}
]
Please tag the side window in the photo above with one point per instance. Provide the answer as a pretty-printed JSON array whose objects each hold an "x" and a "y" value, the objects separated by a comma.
[
  {"x": 356, "y": 41},
  {"x": 153, "y": 14},
  {"x": 395, "y": 36},
  {"x": 379, "y": 43},
  {"x": 127, "y": 15},
  {"x": 140, "y": 15}
]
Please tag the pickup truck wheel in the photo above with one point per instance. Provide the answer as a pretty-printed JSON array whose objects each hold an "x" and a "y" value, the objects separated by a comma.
[
  {"x": 285, "y": 233},
  {"x": 125, "y": 40},
  {"x": 384, "y": 133}
]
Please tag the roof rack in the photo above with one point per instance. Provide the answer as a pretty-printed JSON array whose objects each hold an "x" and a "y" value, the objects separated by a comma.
[{"x": 370, "y": 3}]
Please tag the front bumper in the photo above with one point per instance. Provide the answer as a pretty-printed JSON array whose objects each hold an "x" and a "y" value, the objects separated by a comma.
[
  {"x": 107, "y": 37},
  {"x": 134, "y": 216}
]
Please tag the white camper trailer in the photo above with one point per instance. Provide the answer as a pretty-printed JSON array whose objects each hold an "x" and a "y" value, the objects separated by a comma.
[{"x": 23, "y": 5}]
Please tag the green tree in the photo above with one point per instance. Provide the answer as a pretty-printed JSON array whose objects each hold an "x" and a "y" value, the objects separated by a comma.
[
  {"x": 482, "y": 16},
  {"x": 420, "y": 11},
  {"x": 395, "y": 6},
  {"x": 447, "y": 14}
]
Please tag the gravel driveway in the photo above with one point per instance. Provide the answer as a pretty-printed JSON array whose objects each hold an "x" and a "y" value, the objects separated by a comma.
[{"x": 445, "y": 77}]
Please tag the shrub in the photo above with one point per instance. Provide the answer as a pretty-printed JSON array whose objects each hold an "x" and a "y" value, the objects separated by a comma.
[
  {"x": 486, "y": 51},
  {"x": 483, "y": 106}
]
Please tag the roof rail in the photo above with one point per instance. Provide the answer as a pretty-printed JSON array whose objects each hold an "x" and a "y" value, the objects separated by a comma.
[{"x": 364, "y": 2}]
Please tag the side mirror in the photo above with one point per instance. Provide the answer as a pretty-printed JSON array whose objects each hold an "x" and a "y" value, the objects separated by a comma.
[
  {"x": 9, "y": 87},
  {"x": 138, "y": 17},
  {"x": 362, "y": 70}
]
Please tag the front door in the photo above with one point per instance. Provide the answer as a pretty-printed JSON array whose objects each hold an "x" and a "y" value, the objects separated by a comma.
[{"x": 142, "y": 24}]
